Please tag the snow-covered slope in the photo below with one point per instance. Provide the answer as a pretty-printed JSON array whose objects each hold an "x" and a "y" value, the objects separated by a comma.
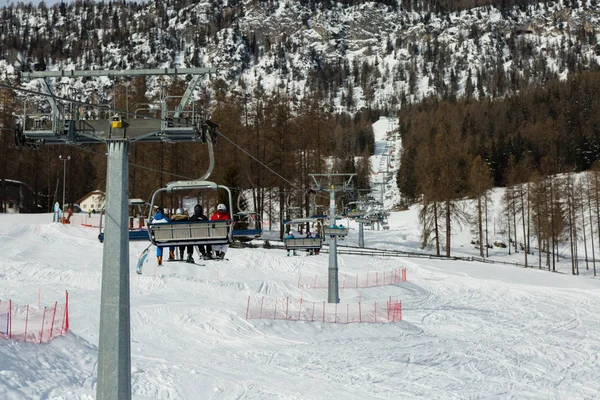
[{"x": 470, "y": 330}]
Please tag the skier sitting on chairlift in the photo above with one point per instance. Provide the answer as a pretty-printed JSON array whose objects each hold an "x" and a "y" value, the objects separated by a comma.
[
  {"x": 221, "y": 215},
  {"x": 199, "y": 216},
  {"x": 181, "y": 215},
  {"x": 160, "y": 218}
]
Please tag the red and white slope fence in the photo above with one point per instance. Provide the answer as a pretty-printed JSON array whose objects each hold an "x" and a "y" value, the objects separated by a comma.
[
  {"x": 346, "y": 281},
  {"x": 29, "y": 323},
  {"x": 310, "y": 311}
]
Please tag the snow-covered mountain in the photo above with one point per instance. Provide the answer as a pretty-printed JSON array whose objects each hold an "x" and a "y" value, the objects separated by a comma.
[{"x": 375, "y": 54}]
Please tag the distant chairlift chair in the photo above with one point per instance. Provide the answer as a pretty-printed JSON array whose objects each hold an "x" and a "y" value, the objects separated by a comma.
[{"x": 312, "y": 243}]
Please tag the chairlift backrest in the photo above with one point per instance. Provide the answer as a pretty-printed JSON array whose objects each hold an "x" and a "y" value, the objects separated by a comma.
[{"x": 175, "y": 233}]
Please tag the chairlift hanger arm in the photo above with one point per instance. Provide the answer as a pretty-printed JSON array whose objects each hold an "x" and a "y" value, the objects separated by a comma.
[
  {"x": 344, "y": 187},
  {"x": 187, "y": 95}
]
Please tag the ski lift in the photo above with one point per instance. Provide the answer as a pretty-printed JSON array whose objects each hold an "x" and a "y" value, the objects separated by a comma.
[
  {"x": 302, "y": 243},
  {"x": 334, "y": 230},
  {"x": 247, "y": 225},
  {"x": 356, "y": 211},
  {"x": 137, "y": 231},
  {"x": 179, "y": 233}
]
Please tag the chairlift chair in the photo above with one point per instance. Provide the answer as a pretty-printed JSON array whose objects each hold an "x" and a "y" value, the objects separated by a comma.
[
  {"x": 179, "y": 233},
  {"x": 136, "y": 232},
  {"x": 247, "y": 225},
  {"x": 313, "y": 243}
]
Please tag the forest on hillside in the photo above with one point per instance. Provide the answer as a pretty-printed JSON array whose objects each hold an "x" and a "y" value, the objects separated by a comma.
[
  {"x": 294, "y": 140},
  {"x": 532, "y": 143},
  {"x": 554, "y": 128}
]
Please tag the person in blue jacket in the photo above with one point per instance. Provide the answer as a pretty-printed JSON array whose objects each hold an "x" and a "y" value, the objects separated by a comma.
[{"x": 160, "y": 218}]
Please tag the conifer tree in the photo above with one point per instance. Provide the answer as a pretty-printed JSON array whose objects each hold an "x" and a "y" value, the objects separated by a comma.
[{"x": 480, "y": 181}]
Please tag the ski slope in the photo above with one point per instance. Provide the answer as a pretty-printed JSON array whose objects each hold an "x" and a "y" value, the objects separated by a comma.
[{"x": 470, "y": 330}]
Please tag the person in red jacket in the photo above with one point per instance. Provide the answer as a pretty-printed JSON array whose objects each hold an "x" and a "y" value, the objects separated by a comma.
[{"x": 220, "y": 215}]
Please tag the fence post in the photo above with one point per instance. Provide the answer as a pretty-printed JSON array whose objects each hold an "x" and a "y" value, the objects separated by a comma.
[
  {"x": 62, "y": 326},
  {"x": 347, "y": 311},
  {"x": 323, "y": 311},
  {"x": 261, "y": 307},
  {"x": 26, "y": 320},
  {"x": 300, "y": 308},
  {"x": 10, "y": 319},
  {"x": 389, "y": 305},
  {"x": 247, "y": 307},
  {"x": 42, "y": 330},
  {"x": 275, "y": 312},
  {"x": 375, "y": 305},
  {"x": 335, "y": 315},
  {"x": 400, "y": 309},
  {"x": 287, "y": 306},
  {"x": 67, "y": 307},
  {"x": 312, "y": 318},
  {"x": 53, "y": 316},
  {"x": 359, "y": 312}
]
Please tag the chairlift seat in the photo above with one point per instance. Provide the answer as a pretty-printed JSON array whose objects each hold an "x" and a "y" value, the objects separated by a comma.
[
  {"x": 335, "y": 231},
  {"x": 302, "y": 243},
  {"x": 190, "y": 233},
  {"x": 355, "y": 214},
  {"x": 247, "y": 233}
]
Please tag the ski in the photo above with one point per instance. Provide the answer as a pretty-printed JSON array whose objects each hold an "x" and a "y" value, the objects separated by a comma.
[
  {"x": 185, "y": 262},
  {"x": 215, "y": 259},
  {"x": 141, "y": 259}
]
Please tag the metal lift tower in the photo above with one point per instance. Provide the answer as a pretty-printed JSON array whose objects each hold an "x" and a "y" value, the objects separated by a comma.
[
  {"x": 179, "y": 125},
  {"x": 333, "y": 183}
]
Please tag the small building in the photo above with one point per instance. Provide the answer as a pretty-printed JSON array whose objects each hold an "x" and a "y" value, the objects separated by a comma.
[
  {"x": 15, "y": 197},
  {"x": 92, "y": 201}
]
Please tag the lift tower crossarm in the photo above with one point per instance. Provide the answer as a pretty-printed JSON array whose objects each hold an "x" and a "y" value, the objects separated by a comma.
[{"x": 115, "y": 72}]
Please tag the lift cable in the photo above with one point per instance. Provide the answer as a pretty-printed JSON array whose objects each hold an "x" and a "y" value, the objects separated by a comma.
[{"x": 79, "y": 102}]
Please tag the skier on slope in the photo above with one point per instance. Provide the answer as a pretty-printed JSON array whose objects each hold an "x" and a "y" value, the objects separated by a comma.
[
  {"x": 160, "y": 218},
  {"x": 221, "y": 215}
]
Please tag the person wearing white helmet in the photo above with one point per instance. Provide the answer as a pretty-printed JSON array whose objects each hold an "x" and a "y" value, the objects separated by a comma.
[
  {"x": 221, "y": 215},
  {"x": 181, "y": 215}
]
